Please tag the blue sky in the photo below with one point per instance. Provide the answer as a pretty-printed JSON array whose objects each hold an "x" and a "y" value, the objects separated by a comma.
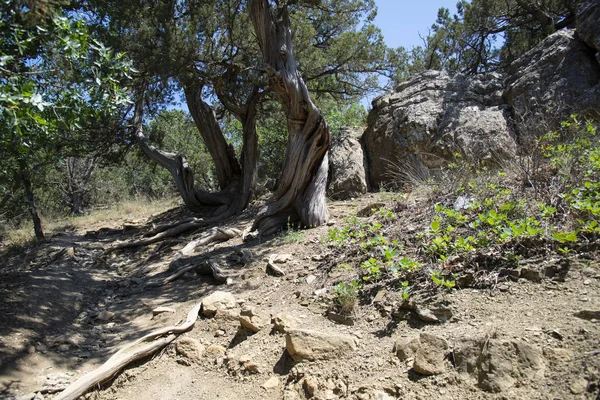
[{"x": 401, "y": 21}]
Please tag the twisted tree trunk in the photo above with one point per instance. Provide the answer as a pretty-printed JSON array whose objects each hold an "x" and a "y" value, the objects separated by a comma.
[
  {"x": 236, "y": 183},
  {"x": 300, "y": 197}
]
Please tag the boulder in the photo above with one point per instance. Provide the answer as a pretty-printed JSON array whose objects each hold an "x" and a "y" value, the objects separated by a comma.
[
  {"x": 309, "y": 345},
  {"x": 217, "y": 301},
  {"x": 429, "y": 118},
  {"x": 347, "y": 177},
  {"x": 499, "y": 365},
  {"x": 425, "y": 121}
]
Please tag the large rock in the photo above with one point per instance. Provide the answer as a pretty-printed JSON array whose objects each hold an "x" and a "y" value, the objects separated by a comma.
[
  {"x": 347, "y": 177},
  {"x": 426, "y": 120},
  {"x": 432, "y": 116},
  {"x": 308, "y": 345},
  {"x": 498, "y": 365},
  {"x": 558, "y": 77},
  {"x": 217, "y": 301}
]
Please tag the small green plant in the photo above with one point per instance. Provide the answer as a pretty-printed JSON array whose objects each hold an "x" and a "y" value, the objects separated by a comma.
[
  {"x": 346, "y": 296},
  {"x": 440, "y": 280},
  {"x": 405, "y": 290},
  {"x": 292, "y": 235},
  {"x": 371, "y": 269}
]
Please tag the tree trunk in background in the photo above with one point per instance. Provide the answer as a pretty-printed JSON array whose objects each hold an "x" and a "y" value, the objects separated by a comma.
[
  {"x": 30, "y": 198},
  {"x": 300, "y": 197}
]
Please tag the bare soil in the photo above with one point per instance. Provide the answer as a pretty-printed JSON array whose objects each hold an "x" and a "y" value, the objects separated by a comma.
[{"x": 53, "y": 297}]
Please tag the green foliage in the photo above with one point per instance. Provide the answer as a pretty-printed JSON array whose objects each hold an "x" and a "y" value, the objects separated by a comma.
[
  {"x": 346, "y": 296},
  {"x": 440, "y": 280}
]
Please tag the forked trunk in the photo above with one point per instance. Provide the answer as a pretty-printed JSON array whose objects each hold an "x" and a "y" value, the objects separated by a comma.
[{"x": 300, "y": 197}]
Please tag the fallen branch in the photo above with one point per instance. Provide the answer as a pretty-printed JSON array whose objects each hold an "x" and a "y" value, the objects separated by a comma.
[{"x": 137, "y": 350}]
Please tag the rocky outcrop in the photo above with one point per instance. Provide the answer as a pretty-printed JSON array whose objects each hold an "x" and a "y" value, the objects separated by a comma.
[
  {"x": 427, "y": 119},
  {"x": 347, "y": 177}
]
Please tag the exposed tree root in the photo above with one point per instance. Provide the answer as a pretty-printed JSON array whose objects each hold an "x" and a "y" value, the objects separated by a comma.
[
  {"x": 213, "y": 235},
  {"x": 137, "y": 350},
  {"x": 163, "y": 227},
  {"x": 210, "y": 268}
]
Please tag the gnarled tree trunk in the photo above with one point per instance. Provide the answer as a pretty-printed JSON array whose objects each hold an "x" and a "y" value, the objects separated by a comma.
[
  {"x": 236, "y": 183},
  {"x": 300, "y": 197}
]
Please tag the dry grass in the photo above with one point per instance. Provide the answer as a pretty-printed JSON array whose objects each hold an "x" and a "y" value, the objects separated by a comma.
[{"x": 130, "y": 211}]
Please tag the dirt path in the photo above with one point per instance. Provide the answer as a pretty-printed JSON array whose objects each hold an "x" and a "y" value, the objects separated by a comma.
[{"x": 63, "y": 314}]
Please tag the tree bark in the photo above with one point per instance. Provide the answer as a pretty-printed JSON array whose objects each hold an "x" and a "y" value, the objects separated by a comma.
[
  {"x": 30, "y": 198},
  {"x": 300, "y": 197}
]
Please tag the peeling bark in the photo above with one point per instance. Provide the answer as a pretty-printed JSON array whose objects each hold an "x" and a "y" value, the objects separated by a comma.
[{"x": 300, "y": 197}]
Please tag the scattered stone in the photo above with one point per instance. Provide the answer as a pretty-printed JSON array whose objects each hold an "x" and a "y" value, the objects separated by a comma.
[
  {"x": 340, "y": 318},
  {"x": 161, "y": 310},
  {"x": 105, "y": 316},
  {"x": 317, "y": 257},
  {"x": 429, "y": 359},
  {"x": 310, "y": 386},
  {"x": 426, "y": 315},
  {"x": 370, "y": 209},
  {"x": 309, "y": 345},
  {"x": 310, "y": 279},
  {"x": 189, "y": 348},
  {"x": 219, "y": 333},
  {"x": 253, "y": 324},
  {"x": 531, "y": 274},
  {"x": 588, "y": 314},
  {"x": 587, "y": 282},
  {"x": 218, "y": 300},
  {"x": 579, "y": 386},
  {"x": 406, "y": 348},
  {"x": 380, "y": 296},
  {"x": 558, "y": 356},
  {"x": 244, "y": 359},
  {"x": 283, "y": 322},
  {"x": 216, "y": 350},
  {"x": 503, "y": 288},
  {"x": 64, "y": 348},
  {"x": 281, "y": 258},
  {"x": 252, "y": 368},
  {"x": 272, "y": 383}
]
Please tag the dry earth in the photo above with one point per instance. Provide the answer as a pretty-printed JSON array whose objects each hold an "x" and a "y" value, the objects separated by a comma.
[{"x": 64, "y": 310}]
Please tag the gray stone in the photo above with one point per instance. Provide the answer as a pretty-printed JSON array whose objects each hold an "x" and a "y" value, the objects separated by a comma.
[
  {"x": 588, "y": 16},
  {"x": 272, "y": 383},
  {"x": 347, "y": 177},
  {"x": 431, "y": 355},
  {"x": 431, "y": 117},
  {"x": 309, "y": 345},
  {"x": 217, "y": 301},
  {"x": 254, "y": 324}
]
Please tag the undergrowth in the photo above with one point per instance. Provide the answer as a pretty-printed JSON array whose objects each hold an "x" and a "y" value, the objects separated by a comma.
[{"x": 479, "y": 227}]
